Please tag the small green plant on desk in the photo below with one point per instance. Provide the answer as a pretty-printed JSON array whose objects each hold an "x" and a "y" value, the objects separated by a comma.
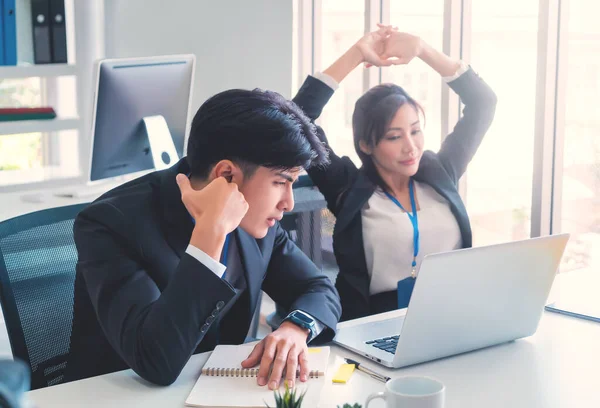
[{"x": 291, "y": 399}]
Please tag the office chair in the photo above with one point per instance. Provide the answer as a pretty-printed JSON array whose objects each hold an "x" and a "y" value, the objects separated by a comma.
[
  {"x": 37, "y": 275},
  {"x": 14, "y": 381},
  {"x": 310, "y": 226}
]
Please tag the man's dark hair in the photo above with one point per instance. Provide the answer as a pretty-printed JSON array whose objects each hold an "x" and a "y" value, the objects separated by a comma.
[{"x": 252, "y": 128}]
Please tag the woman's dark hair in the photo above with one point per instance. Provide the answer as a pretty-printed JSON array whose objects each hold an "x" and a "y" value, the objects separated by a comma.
[
  {"x": 373, "y": 114},
  {"x": 252, "y": 128}
]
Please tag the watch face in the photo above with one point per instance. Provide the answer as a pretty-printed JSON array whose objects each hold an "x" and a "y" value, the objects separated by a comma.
[{"x": 302, "y": 318}]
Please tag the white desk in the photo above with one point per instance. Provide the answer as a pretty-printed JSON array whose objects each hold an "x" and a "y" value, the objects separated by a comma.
[
  {"x": 14, "y": 204},
  {"x": 557, "y": 367}
]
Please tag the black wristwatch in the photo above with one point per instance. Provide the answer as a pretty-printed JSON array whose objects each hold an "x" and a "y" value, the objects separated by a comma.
[{"x": 299, "y": 318}]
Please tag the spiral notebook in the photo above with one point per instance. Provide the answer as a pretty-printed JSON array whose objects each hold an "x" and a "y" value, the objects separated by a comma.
[{"x": 225, "y": 384}]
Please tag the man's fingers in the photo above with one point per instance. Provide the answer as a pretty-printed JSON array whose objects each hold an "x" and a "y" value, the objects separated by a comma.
[
  {"x": 254, "y": 356},
  {"x": 279, "y": 363},
  {"x": 265, "y": 362},
  {"x": 303, "y": 361},
  {"x": 183, "y": 182},
  {"x": 242, "y": 199},
  {"x": 291, "y": 367}
]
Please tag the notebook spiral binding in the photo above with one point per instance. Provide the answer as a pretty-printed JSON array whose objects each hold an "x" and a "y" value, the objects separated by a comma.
[{"x": 243, "y": 372}]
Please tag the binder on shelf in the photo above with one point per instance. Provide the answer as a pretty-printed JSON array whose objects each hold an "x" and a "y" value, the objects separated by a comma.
[
  {"x": 19, "y": 114},
  {"x": 40, "y": 21},
  {"x": 19, "y": 111},
  {"x": 58, "y": 31},
  {"x": 19, "y": 118},
  {"x": 9, "y": 32},
  {"x": 24, "y": 33}
]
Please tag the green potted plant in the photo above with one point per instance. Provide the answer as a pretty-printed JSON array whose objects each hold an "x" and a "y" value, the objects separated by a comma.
[{"x": 289, "y": 399}]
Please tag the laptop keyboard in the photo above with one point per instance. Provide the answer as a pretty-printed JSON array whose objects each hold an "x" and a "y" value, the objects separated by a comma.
[{"x": 388, "y": 344}]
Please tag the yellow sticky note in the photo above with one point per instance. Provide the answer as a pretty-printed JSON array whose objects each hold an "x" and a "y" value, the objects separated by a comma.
[
  {"x": 343, "y": 373},
  {"x": 314, "y": 350}
]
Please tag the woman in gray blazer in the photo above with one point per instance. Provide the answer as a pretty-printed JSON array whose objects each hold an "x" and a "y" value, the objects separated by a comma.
[{"x": 403, "y": 202}]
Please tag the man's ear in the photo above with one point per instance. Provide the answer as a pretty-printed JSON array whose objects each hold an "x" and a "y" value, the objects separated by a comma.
[
  {"x": 229, "y": 170},
  {"x": 365, "y": 148}
]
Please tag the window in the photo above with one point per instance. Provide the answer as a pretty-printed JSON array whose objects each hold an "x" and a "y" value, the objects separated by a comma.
[
  {"x": 342, "y": 23},
  {"x": 501, "y": 43},
  {"x": 580, "y": 204},
  {"x": 424, "y": 18},
  {"x": 28, "y": 156},
  {"x": 20, "y": 152},
  {"x": 295, "y": 47},
  {"x": 499, "y": 179},
  {"x": 20, "y": 92}
]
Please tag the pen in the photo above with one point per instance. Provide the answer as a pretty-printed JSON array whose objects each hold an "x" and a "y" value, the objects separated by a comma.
[{"x": 379, "y": 377}]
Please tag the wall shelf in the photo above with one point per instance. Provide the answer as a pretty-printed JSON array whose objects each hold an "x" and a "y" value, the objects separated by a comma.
[
  {"x": 42, "y": 70},
  {"x": 32, "y": 126}
]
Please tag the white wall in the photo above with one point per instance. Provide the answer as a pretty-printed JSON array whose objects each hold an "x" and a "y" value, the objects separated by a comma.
[{"x": 237, "y": 43}]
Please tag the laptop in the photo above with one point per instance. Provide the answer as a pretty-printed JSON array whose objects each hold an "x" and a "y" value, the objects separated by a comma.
[{"x": 464, "y": 300}]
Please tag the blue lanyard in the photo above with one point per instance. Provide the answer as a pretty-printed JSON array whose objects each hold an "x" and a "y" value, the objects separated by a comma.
[
  {"x": 414, "y": 220},
  {"x": 225, "y": 251}
]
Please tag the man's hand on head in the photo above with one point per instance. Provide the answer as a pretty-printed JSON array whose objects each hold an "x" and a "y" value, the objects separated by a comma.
[{"x": 217, "y": 209}]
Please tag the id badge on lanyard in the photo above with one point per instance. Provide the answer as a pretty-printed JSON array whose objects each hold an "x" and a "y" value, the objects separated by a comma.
[{"x": 405, "y": 286}]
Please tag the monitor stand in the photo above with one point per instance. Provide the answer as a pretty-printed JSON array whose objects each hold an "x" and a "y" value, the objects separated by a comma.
[{"x": 162, "y": 147}]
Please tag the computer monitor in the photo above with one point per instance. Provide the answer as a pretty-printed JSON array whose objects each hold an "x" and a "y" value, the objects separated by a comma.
[{"x": 140, "y": 119}]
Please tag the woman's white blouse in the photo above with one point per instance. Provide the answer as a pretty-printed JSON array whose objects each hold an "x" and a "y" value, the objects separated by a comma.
[{"x": 388, "y": 235}]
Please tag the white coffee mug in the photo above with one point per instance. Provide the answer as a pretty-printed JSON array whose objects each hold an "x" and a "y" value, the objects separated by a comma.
[{"x": 411, "y": 392}]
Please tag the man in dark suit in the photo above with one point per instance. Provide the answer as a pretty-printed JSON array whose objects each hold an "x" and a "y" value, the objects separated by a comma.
[{"x": 173, "y": 263}]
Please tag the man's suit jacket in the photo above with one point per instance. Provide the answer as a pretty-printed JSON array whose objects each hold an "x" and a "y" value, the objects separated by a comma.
[
  {"x": 347, "y": 189},
  {"x": 142, "y": 302}
]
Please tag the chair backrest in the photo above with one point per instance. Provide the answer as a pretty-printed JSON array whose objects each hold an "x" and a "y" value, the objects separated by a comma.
[
  {"x": 303, "y": 223},
  {"x": 14, "y": 381},
  {"x": 37, "y": 276},
  {"x": 326, "y": 223},
  {"x": 305, "y": 227}
]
